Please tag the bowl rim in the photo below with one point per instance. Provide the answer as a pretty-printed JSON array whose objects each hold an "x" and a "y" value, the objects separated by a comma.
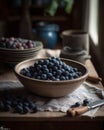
[{"x": 85, "y": 75}]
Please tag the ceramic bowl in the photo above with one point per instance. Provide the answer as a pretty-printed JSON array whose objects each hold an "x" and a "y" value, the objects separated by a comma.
[
  {"x": 14, "y": 56},
  {"x": 49, "y": 88}
]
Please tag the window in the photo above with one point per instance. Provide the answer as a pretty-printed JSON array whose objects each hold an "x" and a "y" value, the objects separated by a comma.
[{"x": 93, "y": 21}]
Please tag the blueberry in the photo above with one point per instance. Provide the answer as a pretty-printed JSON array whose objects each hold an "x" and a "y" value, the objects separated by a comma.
[
  {"x": 20, "y": 104},
  {"x": 55, "y": 68},
  {"x": 58, "y": 59},
  {"x": 46, "y": 71},
  {"x": 85, "y": 102},
  {"x": 44, "y": 66},
  {"x": 72, "y": 71},
  {"x": 28, "y": 74},
  {"x": 40, "y": 72},
  {"x": 66, "y": 73},
  {"x": 44, "y": 76},
  {"x": 14, "y": 103},
  {"x": 77, "y": 104},
  {"x": 19, "y": 109},
  {"x": 67, "y": 78},
  {"x": 31, "y": 104},
  {"x": 57, "y": 76},
  {"x": 3, "y": 45},
  {"x": 31, "y": 69},
  {"x": 54, "y": 73},
  {"x": 49, "y": 75},
  {"x": 1, "y": 105},
  {"x": 56, "y": 62},
  {"x": 62, "y": 78},
  {"x": 40, "y": 62},
  {"x": 53, "y": 78},
  {"x": 51, "y": 65},
  {"x": 25, "y": 109},
  {"x": 70, "y": 76},
  {"x": 75, "y": 75},
  {"x": 63, "y": 70},
  {"x": 7, "y": 107},
  {"x": 9, "y": 102},
  {"x": 39, "y": 67},
  {"x": 75, "y": 69},
  {"x": 60, "y": 62},
  {"x": 50, "y": 70},
  {"x": 23, "y": 71},
  {"x": 59, "y": 72},
  {"x": 26, "y": 103},
  {"x": 34, "y": 109},
  {"x": 35, "y": 74},
  {"x": 46, "y": 62},
  {"x": 38, "y": 77}
]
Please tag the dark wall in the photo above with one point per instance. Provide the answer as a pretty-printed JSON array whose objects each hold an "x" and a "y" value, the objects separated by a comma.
[{"x": 12, "y": 15}]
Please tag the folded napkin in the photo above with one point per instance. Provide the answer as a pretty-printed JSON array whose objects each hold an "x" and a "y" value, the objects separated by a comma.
[{"x": 48, "y": 52}]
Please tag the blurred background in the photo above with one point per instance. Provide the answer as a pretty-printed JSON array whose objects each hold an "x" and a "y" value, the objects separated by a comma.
[{"x": 19, "y": 18}]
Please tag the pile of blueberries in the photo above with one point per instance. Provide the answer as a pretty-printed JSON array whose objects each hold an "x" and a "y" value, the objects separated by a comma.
[
  {"x": 52, "y": 68},
  {"x": 85, "y": 102},
  {"x": 16, "y": 43},
  {"x": 16, "y": 104}
]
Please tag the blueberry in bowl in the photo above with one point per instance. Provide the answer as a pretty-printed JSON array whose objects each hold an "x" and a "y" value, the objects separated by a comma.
[
  {"x": 51, "y": 76},
  {"x": 16, "y": 43},
  {"x": 14, "y": 50}
]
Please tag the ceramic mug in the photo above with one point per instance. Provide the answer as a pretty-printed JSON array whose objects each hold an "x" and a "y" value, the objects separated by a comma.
[
  {"x": 77, "y": 44},
  {"x": 76, "y": 39}
]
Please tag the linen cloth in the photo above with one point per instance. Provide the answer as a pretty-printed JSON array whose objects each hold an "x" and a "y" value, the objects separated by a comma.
[{"x": 61, "y": 104}]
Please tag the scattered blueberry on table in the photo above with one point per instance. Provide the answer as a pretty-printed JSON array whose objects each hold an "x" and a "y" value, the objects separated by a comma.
[
  {"x": 85, "y": 101},
  {"x": 17, "y": 104},
  {"x": 52, "y": 68},
  {"x": 1, "y": 105},
  {"x": 77, "y": 104}
]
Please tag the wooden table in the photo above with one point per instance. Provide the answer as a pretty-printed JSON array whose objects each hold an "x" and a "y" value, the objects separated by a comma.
[{"x": 51, "y": 120}]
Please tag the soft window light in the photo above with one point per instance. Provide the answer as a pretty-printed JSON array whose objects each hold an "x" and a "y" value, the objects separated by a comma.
[{"x": 93, "y": 21}]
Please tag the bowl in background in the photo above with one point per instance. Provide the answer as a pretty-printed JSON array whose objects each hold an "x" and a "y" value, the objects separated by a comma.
[{"x": 14, "y": 56}]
